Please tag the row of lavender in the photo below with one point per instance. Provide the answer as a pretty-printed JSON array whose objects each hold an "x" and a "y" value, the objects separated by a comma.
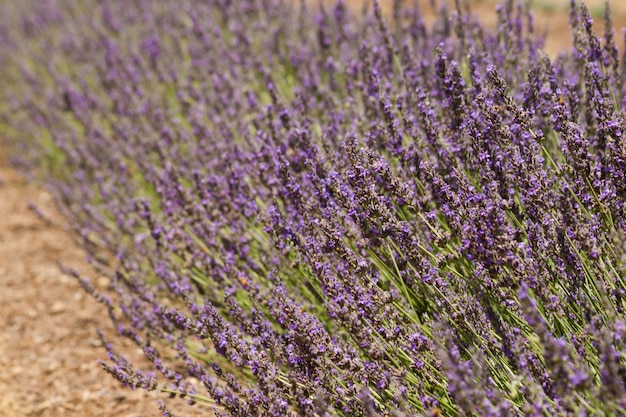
[{"x": 309, "y": 213}]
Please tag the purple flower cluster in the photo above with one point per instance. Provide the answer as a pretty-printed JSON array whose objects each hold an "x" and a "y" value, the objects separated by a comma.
[{"x": 305, "y": 212}]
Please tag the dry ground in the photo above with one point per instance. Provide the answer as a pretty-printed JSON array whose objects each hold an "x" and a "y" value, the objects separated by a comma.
[{"x": 48, "y": 342}]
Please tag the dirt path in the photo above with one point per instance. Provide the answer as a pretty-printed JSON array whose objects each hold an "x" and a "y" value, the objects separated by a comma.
[
  {"x": 48, "y": 346},
  {"x": 48, "y": 343}
]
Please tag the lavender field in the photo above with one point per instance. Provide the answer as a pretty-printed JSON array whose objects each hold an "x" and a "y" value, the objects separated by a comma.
[{"x": 316, "y": 211}]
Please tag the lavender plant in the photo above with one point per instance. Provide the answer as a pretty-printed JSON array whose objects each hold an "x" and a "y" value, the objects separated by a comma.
[{"x": 308, "y": 212}]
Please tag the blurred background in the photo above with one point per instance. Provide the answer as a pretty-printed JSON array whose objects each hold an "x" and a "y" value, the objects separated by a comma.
[{"x": 550, "y": 15}]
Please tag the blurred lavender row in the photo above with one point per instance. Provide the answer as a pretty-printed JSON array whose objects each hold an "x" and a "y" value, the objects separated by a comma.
[{"x": 309, "y": 212}]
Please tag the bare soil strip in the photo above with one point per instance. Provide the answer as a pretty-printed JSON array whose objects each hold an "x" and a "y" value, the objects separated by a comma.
[{"x": 48, "y": 342}]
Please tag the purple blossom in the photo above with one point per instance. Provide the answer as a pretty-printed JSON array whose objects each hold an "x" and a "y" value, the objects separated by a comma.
[{"x": 307, "y": 212}]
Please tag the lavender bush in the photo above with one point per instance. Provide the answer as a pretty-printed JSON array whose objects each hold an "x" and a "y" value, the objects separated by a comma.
[{"x": 308, "y": 212}]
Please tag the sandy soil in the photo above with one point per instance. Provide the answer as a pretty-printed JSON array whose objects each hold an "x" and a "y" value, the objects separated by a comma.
[{"x": 48, "y": 342}]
